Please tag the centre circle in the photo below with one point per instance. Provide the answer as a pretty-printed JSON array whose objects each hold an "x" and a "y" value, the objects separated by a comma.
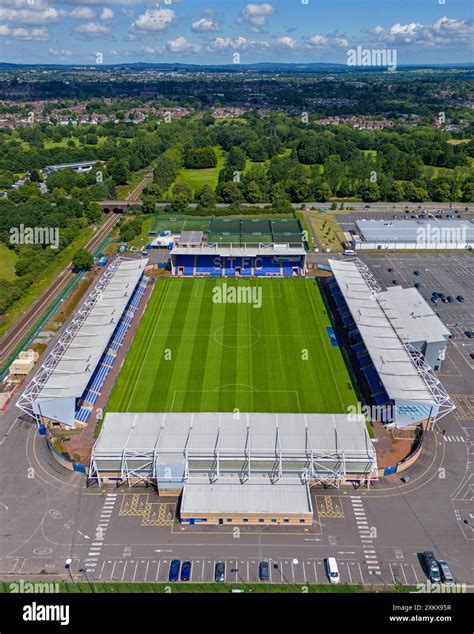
[{"x": 237, "y": 336}]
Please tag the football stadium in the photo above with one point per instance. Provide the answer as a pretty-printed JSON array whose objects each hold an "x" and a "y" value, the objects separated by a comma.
[{"x": 228, "y": 383}]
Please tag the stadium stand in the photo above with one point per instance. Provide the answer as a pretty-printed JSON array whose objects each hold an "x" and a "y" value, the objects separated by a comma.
[{"x": 69, "y": 381}]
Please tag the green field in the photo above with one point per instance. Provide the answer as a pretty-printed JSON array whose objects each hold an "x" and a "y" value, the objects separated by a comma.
[
  {"x": 191, "y": 354},
  {"x": 8, "y": 258}
]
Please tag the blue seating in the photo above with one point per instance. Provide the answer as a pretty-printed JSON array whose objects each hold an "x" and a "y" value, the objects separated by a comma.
[{"x": 92, "y": 391}]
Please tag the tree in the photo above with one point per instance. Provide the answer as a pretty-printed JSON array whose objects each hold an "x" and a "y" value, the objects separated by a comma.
[
  {"x": 118, "y": 171},
  {"x": 82, "y": 260},
  {"x": 182, "y": 195},
  {"x": 323, "y": 192},
  {"x": 206, "y": 198}
]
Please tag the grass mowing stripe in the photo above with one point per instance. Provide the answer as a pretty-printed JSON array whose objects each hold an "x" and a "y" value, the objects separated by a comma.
[
  {"x": 264, "y": 373},
  {"x": 168, "y": 367},
  {"x": 193, "y": 399}
]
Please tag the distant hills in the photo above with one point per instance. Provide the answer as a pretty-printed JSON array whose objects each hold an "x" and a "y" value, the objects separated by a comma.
[{"x": 260, "y": 66}]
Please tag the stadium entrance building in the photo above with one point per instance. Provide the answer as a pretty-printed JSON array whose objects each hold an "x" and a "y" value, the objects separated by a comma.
[
  {"x": 257, "y": 469},
  {"x": 193, "y": 256}
]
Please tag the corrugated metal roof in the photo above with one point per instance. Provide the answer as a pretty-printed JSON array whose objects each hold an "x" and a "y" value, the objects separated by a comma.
[
  {"x": 411, "y": 316},
  {"x": 392, "y": 361},
  {"x": 285, "y": 497},
  {"x": 416, "y": 230},
  {"x": 248, "y": 250},
  {"x": 78, "y": 361},
  {"x": 201, "y": 433}
]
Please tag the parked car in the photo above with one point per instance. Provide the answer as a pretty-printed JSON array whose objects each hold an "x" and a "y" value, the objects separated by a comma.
[
  {"x": 174, "y": 570},
  {"x": 431, "y": 567},
  {"x": 472, "y": 355},
  {"x": 395, "y": 282},
  {"x": 460, "y": 298},
  {"x": 219, "y": 571},
  {"x": 186, "y": 571},
  {"x": 434, "y": 300},
  {"x": 417, "y": 285},
  {"x": 263, "y": 571},
  {"x": 435, "y": 294},
  {"x": 441, "y": 296},
  {"x": 444, "y": 300},
  {"x": 332, "y": 570},
  {"x": 446, "y": 574},
  {"x": 416, "y": 273},
  {"x": 470, "y": 333},
  {"x": 450, "y": 299},
  {"x": 390, "y": 270}
]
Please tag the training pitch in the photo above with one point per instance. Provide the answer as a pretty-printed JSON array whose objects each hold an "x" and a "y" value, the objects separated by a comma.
[{"x": 196, "y": 350}]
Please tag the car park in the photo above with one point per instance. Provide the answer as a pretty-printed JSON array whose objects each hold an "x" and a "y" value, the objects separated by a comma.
[
  {"x": 174, "y": 570},
  {"x": 332, "y": 570},
  {"x": 219, "y": 572},
  {"x": 186, "y": 571},
  {"x": 446, "y": 574},
  {"x": 431, "y": 567},
  {"x": 263, "y": 571}
]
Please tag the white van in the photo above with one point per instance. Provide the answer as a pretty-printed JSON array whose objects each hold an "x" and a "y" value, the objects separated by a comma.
[
  {"x": 349, "y": 252},
  {"x": 332, "y": 570}
]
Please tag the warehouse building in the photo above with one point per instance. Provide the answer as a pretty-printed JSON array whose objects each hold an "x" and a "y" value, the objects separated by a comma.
[
  {"x": 416, "y": 323},
  {"x": 414, "y": 234},
  {"x": 254, "y": 469}
]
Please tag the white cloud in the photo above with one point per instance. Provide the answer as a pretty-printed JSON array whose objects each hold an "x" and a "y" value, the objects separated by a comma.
[
  {"x": 181, "y": 45},
  {"x": 287, "y": 41},
  {"x": 151, "y": 50},
  {"x": 155, "y": 20},
  {"x": 107, "y": 14},
  {"x": 239, "y": 43},
  {"x": 443, "y": 32},
  {"x": 223, "y": 43},
  {"x": 92, "y": 28},
  {"x": 256, "y": 15},
  {"x": 21, "y": 33},
  {"x": 38, "y": 15},
  {"x": 61, "y": 52},
  {"x": 82, "y": 13},
  {"x": 334, "y": 40},
  {"x": 205, "y": 25}
]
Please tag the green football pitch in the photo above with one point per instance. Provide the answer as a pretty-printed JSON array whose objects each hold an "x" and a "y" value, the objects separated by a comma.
[{"x": 193, "y": 352}]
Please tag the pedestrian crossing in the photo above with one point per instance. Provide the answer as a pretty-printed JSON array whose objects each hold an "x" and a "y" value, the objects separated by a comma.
[
  {"x": 100, "y": 532},
  {"x": 454, "y": 439},
  {"x": 367, "y": 535}
]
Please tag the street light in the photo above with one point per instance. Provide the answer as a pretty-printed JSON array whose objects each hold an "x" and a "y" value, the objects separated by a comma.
[
  {"x": 67, "y": 565},
  {"x": 92, "y": 585}
]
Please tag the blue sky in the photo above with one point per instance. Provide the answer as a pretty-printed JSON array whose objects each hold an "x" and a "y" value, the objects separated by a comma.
[{"x": 213, "y": 31}]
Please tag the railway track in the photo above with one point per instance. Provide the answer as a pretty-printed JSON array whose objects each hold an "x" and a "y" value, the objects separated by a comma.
[{"x": 15, "y": 335}]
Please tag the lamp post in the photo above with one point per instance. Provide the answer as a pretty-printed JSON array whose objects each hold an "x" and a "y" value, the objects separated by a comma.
[
  {"x": 67, "y": 565},
  {"x": 92, "y": 585}
]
